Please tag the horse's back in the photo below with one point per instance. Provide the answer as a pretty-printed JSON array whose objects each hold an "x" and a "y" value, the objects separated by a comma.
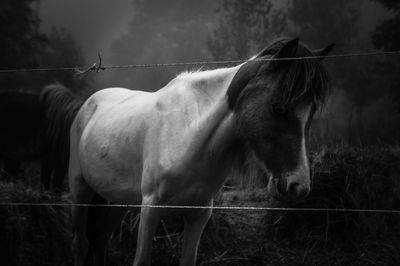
[{"x": 108, "y": 104}]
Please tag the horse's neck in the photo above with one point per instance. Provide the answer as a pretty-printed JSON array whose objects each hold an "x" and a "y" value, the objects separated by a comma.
[
  {"x": 214, "y": 128},
  {"x": 212, "y": 84}
]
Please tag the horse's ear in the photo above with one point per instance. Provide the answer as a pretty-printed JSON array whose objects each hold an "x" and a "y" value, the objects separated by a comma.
[
  {"x": 289, "y": 50},
  {"x": 323, "y": 51}
]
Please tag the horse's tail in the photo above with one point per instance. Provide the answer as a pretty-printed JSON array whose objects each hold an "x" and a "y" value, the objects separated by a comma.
[{"x": 59, "y": 108}]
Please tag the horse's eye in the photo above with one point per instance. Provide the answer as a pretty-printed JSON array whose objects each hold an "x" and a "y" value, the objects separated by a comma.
[{"x": 278, "y": 109}]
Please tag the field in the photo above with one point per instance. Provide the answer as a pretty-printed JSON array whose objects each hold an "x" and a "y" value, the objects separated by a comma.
[{"x": 364, "y": 177}]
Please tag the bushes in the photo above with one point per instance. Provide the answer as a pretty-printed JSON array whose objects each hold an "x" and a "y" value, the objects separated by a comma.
[{"x": 348, "y": 178}]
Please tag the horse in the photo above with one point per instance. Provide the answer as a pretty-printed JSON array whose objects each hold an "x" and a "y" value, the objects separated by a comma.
[
  {"x": 36, "y": 127},
  {"x": 59, "y": 107},
  {"x": 20, "y": 134},
  {"x": 177, "y": 146}
]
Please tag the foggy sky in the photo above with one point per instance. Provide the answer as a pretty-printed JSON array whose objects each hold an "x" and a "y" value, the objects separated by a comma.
[
  {"x": 93, "y": 23},
  {"x": 98, "y": 25}
]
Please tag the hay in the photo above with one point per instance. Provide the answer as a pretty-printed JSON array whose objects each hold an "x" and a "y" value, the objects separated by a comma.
[{"x": 33, "y": 235}]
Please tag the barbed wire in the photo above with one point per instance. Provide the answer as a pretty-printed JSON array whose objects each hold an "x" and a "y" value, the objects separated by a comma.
[
  {"x": 99, "y": 67},
  {"x": 252, "y": 208}
]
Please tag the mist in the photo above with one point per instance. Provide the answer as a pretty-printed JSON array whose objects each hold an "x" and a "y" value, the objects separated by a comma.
[
  {"x": 142, "y": 32},
  {"x": 134, "y": 32},
  {"x": 350, "y": 167}
]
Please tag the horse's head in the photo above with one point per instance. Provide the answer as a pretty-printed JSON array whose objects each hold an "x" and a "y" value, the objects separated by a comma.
[{"x": 274, "y": 102}]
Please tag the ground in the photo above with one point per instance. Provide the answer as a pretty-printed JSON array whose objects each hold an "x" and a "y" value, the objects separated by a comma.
[{"x": 344, "y": 177}]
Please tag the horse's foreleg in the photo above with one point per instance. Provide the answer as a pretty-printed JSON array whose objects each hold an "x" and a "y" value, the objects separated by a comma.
[
  {"x": 81, "y": 194},
  {"x": 149, "y": 220},
  {"x": 112, "y": 218},
  {"x": 195, "y": 221}
]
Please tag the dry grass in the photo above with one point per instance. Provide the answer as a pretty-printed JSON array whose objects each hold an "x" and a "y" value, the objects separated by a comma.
[
  {"x": 33, "y": 235},
  {"x": 357, "y": 177}
]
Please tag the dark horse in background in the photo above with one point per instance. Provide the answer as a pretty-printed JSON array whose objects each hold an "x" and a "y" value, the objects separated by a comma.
[
  {"x": 36, "y": 127},
  {"x": 20, "y": 134}
]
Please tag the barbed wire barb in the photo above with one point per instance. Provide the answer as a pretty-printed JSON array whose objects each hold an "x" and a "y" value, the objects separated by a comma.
[
  {"x": 80, "y": 72},
  {"x": 93, "y": 67},
  {"x": 99, "y": 67}
]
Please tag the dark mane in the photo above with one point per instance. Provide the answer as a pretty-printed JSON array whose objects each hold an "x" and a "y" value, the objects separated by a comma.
[
  {"x": 59, "y": 107},
  {"x": 304, "y": 80},
  {"x": 294, "y": 80}
]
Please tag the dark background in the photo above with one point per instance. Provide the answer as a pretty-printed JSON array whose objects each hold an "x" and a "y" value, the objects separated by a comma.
[{"x": 355, "y": 151}]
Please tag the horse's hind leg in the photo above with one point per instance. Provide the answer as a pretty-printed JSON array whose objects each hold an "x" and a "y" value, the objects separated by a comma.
[
  {"x": 81, "y": 194},
  {"x": 112, "y": 218}
]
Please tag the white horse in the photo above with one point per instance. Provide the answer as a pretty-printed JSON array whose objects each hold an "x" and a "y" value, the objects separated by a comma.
[{"x": 176, "y": 146}]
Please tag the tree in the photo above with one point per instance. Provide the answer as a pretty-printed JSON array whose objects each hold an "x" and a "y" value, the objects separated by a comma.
[
  {"x": 387, "y": 34},
  {"x": 319, "y": 23},
  {"x": 23, "y": 46},
  {"x": 18, "y": 34},
  {"x": 322, "y": 22},
  {"x": 244, "y": 28},
  {"x": 60, "y": 50},
  {"x": 159, "y": 32},
  {"x": 387, "y": 37},
  {"x": 18, "y": 38}
]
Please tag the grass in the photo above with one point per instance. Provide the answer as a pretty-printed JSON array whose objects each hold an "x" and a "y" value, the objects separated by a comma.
[
  {"x": 344, "y": 177},
  {"x": 33, "y": 235}
]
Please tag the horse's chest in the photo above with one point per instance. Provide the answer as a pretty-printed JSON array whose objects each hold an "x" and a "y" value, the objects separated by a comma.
[
  {"x": 191, "y": 180},
  {"x": 179, "y": 167}
]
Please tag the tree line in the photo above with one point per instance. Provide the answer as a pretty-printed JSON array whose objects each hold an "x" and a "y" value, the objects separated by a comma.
[
  {"x": 245, "y": 27},
  {"x": 23, "y": 45}
]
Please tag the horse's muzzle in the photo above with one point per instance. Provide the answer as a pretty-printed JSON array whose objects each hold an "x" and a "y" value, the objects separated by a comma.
[{"x": 288, "y": 189}]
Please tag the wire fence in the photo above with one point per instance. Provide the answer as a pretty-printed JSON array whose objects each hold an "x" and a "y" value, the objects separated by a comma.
[
  {"x": 99, "y": 67},
  {"x": 252, "y": 208}
]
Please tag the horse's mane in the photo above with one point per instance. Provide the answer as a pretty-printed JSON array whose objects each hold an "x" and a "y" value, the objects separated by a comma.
[
  {"x": 305, "y": 79},
  {"x": 59, "y": 107}
]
